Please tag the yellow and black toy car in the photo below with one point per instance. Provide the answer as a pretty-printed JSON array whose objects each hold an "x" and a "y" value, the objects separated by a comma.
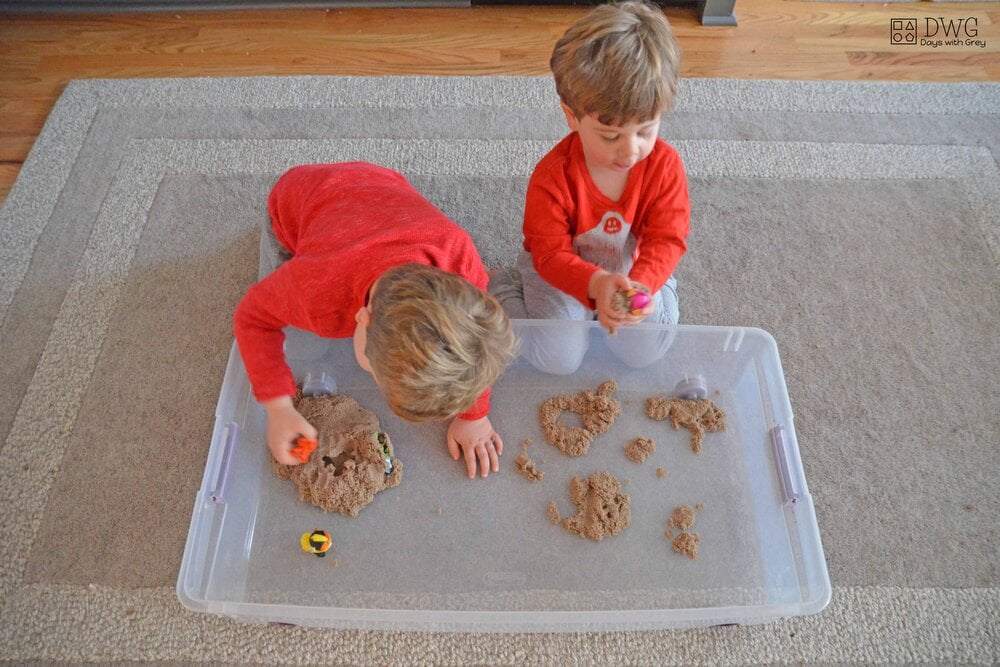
[{"x": 317, "y": 542}]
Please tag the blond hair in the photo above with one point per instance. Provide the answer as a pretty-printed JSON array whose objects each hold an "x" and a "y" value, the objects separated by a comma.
[
  {"x": 435, "y": 341},
  {"x": 620, "y": 62}
]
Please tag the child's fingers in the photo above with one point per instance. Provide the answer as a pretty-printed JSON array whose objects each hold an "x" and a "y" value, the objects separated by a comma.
[
  {"x": 283, "y": 455},
  {"x": 494, "y": 460},
  {"x": 497, "y": 442},
  {"x": 470, "y": 461},
  {"x": 453, "y": 447},
  {"x": 609, "y": 321},
  {"x": 306, "y": 429},
  {"x": 484, "y": 460}
]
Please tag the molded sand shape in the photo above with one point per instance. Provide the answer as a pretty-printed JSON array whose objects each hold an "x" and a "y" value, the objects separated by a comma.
[
  {"x": 598, "y": 410},
  {"x": 353, "y": 461},
  {"x": 697, "y": 416},
  {"x": 600, "y": 509}
]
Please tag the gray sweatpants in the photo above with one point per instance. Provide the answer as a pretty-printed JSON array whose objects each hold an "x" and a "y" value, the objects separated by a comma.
[{"x": 560, "y": 351}]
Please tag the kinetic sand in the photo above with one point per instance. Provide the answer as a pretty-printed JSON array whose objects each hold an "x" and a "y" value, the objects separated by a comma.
[
  {"x": 601, "y": 510},
  {"x": 353, "y": 461},
  {"x": 638, "y": 449},
  {"x": 698, "y": 416},
  {"x": 597, "y": 408}
]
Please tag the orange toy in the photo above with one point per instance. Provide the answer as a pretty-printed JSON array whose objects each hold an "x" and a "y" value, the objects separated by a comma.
[{"x": 304, "y": 447}]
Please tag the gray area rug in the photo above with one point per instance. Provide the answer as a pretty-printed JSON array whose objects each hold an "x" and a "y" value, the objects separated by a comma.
[{"x": 858, "y": 223}]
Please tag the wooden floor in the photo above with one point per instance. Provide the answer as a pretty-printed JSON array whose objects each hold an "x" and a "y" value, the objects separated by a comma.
[{"x": 782, "y": 39}]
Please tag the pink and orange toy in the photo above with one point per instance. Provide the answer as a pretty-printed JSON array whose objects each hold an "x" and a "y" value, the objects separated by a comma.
[{"x": 637, "y": 301}]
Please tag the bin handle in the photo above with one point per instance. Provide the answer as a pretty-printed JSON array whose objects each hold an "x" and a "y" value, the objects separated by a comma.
[
  {"x": 218, "y": 494},
  {"x": 787, "y": 471}
]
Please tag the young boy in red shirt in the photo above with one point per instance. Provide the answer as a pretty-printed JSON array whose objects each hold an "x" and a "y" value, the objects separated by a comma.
[
  {"x": 608, "y": 206},
  {"x": 354, "y": 250}
]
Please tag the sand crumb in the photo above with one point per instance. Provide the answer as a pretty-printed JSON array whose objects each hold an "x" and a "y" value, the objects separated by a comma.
[
  {"x": 699, "y": 507},
  {"x": 638, "y": 449},
  {"x": 682, "y": 517},
  {"x": 686, "y": 543},
  {"x": 553, "y": 512},
  {"x": 438, "y": 511},
  {"x": 598, "y": 410},
  {"x": 661, "y": 473},
  {"x": 698, "y": 416},
  {"x": 334, "y": 562},
  {"x": 525, "y": 466}
]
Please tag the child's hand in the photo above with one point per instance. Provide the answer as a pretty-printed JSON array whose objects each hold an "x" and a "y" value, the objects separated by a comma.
[
  {"x": 478, "y": 442},
  {"x": 603, "y": 286},
  {"x": 284, "y": 425}
]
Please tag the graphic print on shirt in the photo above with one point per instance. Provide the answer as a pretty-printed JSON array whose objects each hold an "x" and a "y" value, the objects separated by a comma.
[
  {"x": 612, "y": 223},
  {"x": 609, "y": 244}
]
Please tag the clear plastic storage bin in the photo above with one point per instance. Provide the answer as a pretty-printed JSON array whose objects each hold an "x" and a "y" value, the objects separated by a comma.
[{"x": 441, "y": 552}]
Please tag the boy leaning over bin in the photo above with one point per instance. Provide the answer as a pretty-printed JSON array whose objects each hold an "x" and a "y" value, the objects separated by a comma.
[{"x": 352, "y": 249}]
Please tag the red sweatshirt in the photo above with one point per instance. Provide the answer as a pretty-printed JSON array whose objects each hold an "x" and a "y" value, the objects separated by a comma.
[
  {"x": 344, "y": 224},
  {"x": 571, "y": 228}
]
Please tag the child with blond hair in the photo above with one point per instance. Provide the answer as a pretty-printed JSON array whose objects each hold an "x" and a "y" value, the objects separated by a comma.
[
  {"x": 607, "y": 208},
  {"x": 352, "y": 249}
]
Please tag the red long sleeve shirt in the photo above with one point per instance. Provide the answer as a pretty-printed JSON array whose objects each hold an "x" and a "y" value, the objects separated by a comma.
[
  {"x": 571, "y": 228},
  {"x": 344, "y": 224}
]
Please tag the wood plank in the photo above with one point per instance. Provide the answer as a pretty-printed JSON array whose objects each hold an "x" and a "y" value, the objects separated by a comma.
[
  {"x": 8, "y": 174},
  {"x": 780, "y": 39}
]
